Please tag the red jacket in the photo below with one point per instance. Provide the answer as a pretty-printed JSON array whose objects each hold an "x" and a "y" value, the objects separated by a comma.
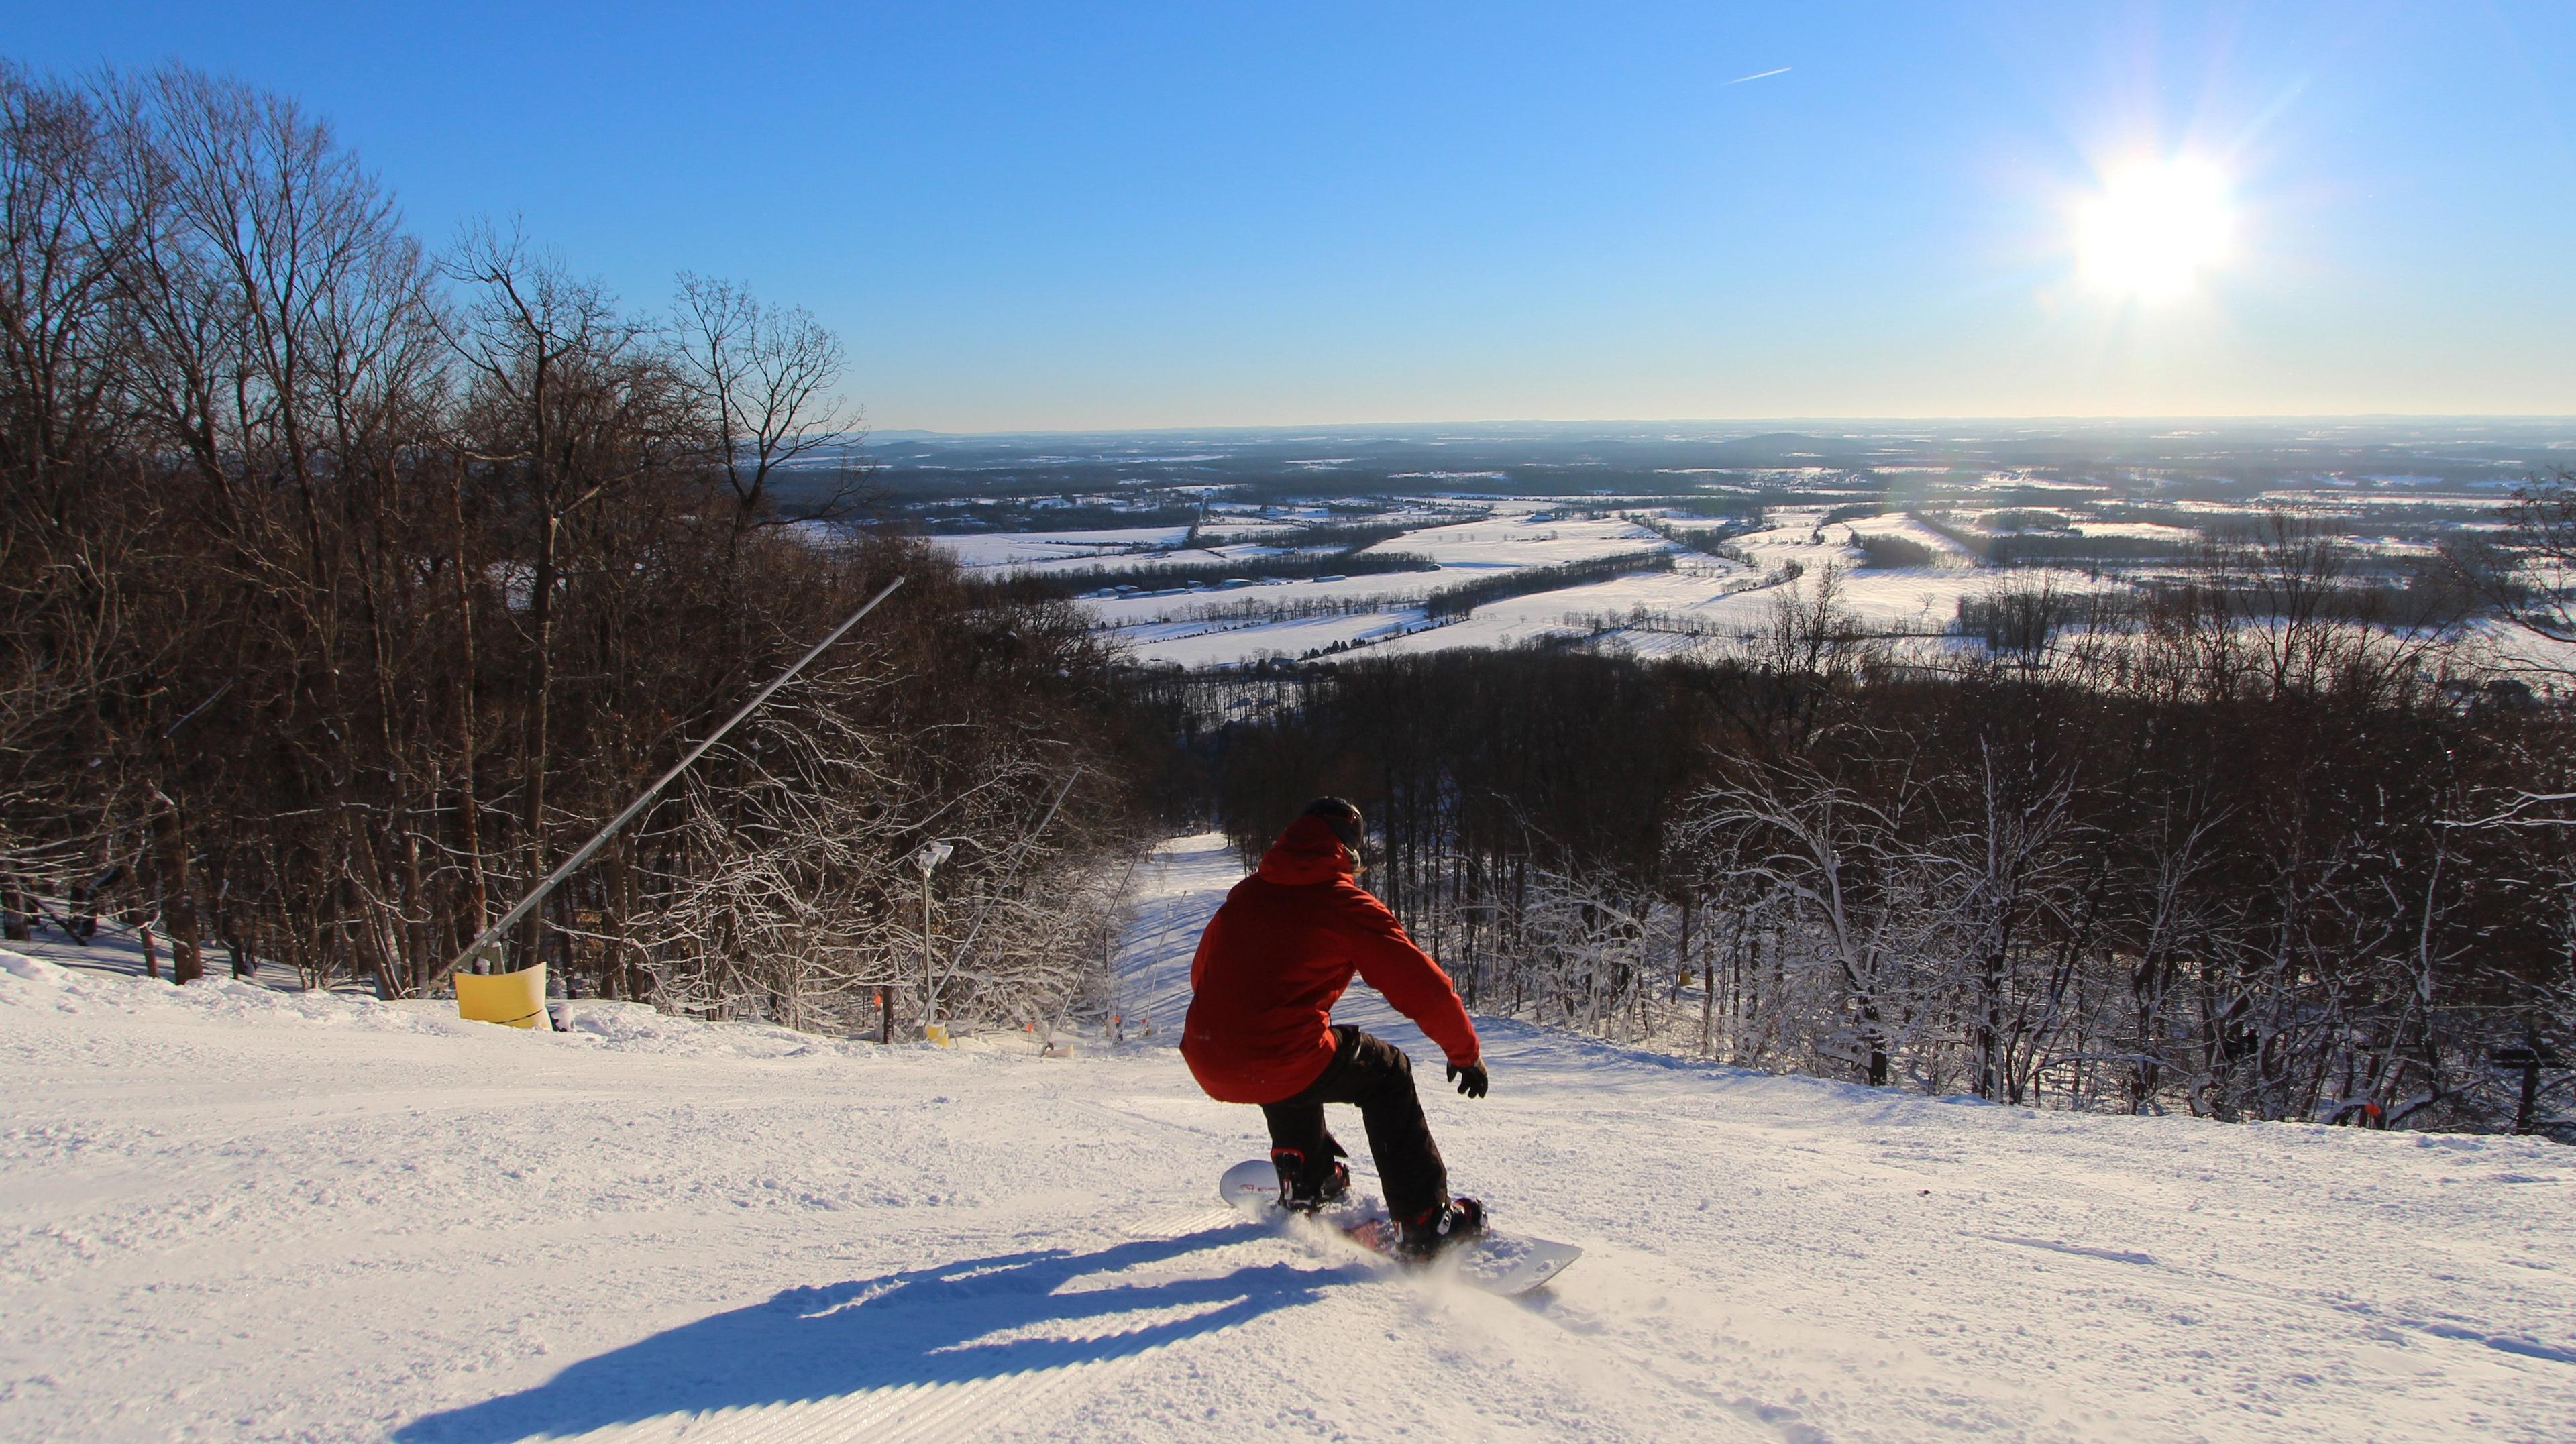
[{"x": 1279, "y": 953}]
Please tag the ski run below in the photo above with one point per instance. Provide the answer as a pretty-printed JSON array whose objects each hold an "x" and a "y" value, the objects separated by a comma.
[{"x": 229, "y": 1212}]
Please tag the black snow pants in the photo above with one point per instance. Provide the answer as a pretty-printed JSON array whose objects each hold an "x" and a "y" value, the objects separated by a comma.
[{"x": 1374, "y": 1074}]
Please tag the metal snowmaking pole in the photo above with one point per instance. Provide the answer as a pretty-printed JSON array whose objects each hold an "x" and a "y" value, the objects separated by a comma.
[
  {"x": 537, "y": 894},
  {"x": 932, "y": 854}
]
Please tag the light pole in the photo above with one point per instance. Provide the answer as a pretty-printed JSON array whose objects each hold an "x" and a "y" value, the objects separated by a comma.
[{"x": 932, "y": 854}]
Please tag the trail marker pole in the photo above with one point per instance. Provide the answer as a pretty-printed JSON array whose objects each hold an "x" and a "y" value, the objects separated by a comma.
[{"x": 932, "y": 854}]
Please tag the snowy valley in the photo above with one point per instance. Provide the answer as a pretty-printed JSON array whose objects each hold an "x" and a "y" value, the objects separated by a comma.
[{"x": 1228, "y": 549}]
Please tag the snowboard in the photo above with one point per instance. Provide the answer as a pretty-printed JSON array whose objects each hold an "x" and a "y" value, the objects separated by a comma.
[{"x": 1498, "y": 1263}]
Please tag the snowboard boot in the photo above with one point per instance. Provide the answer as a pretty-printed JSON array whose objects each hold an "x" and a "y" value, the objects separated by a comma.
[
  {"x": 1300, "y": 1192},
  {"x": 1446, "y": 1226}
]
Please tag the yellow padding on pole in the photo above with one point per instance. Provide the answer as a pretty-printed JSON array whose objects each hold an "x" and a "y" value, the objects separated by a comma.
[{"x": 514, "y": 1000}]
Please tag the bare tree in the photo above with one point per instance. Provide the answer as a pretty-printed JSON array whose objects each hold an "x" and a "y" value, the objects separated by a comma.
[
  {"x": 2005, "y": 864},
  {"x": 765, "y": 374},
  {"x": 2533, "y": 584}
]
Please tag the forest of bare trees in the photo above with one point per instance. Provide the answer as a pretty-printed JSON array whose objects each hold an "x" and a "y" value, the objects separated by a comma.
[
  {"x": 347, "y": 582},
  {"x": 2242, "y": 859}
]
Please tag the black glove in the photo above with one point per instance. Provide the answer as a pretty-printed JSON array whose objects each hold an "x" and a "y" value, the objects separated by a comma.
[{"x": 1470, "y": 1079}]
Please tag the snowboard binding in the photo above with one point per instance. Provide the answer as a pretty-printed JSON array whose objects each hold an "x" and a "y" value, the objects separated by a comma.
[
  {"x": 1303, "y": 1192},
  {"x": 1458, "y": 1221}
]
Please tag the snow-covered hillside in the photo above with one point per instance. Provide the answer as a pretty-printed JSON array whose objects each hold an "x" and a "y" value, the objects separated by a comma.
[{"x": 228, "y": 1212}]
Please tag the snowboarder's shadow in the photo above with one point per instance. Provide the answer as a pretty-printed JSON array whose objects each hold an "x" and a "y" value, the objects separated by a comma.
[{"x": 974, "y": 1319}]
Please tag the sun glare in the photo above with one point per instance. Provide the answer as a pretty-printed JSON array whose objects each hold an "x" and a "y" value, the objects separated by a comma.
[{"x": 2154, "y": 229}]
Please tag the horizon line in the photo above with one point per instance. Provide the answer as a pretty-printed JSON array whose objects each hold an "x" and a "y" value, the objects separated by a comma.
[{"x": 2311, "y": 417}]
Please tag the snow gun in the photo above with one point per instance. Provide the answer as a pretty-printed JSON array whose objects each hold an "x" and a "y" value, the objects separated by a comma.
[{"x": 518, "y": 1000}]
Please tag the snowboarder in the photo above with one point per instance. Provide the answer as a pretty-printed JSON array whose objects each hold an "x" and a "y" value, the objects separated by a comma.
[{"x": 1269, "y": 967}]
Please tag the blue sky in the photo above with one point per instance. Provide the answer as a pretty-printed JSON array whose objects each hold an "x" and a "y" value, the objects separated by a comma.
[{"x": 1139, "y": 215}]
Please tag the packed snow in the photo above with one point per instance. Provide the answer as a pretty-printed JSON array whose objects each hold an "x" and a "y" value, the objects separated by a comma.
[{"x": 240, "y": 1213}]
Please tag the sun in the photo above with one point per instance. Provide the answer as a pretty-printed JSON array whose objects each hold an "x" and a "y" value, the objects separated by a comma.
[{"x": 2155, "y": 228}]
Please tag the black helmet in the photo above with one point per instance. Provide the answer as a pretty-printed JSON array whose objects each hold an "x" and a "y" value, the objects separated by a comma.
[{"x": 1341, "y": 817}]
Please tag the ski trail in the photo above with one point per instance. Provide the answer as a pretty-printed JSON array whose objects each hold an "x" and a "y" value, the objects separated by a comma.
[
  {"x": 668, "y": 1230},
  {"x": 1530, "y": 1336},
  {"x": 1860, "y": 1279},
  {"x": 1176, "y": 892},
  {"x": 1584, "y": 1329}
]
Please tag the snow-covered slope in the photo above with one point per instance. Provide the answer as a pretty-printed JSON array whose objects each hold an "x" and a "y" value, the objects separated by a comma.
[{"x": 227, "y": 1212}]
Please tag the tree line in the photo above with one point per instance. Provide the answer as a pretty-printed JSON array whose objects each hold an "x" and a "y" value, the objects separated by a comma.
[
  {"x": 346, "y": 583},
  {"x": 1060, "y": 583}
]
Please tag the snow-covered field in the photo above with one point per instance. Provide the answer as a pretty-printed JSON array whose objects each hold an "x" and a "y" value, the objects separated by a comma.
[
  {"x": 1705, "y": 598},
  {"x": 1175, "y": 627},
  {"x": 232, "y": 1213},
  {"x": 1216, "y": 644},
  {"x": 1701, "y": 598},
  {"x": 1512, "y": 539},
  {"x": 1003, "y": 548}
]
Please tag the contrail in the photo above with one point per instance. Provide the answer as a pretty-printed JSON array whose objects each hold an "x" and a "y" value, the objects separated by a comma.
[{"x": 1759, "y": 75}]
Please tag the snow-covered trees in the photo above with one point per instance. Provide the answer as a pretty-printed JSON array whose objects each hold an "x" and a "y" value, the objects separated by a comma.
[
  {"x": 790, "y": 889},
  {"x": 2206, "y": 865}
]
